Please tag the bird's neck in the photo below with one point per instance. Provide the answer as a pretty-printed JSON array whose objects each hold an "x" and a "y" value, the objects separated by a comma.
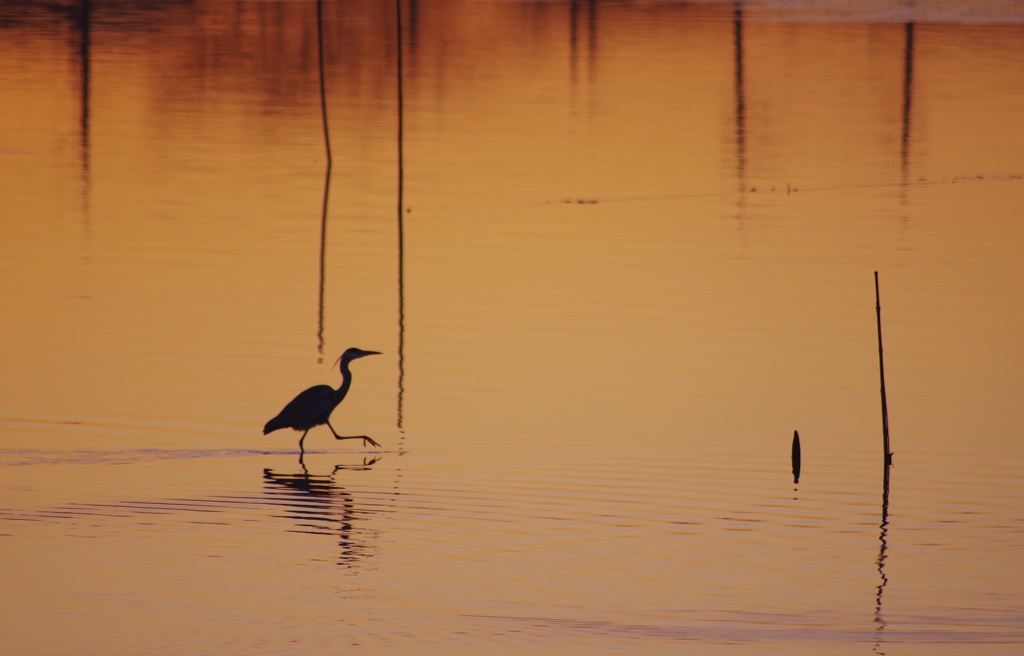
[{"x": 346, "y": 382}]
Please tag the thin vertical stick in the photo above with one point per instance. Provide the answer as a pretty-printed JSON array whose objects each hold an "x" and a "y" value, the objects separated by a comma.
[{"x": 881, "y": 373}]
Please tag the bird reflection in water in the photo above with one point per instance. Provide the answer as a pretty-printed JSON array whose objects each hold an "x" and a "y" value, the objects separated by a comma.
[
  {"x": 319, "y": 506},
  {"x": 314, "y": 406}
]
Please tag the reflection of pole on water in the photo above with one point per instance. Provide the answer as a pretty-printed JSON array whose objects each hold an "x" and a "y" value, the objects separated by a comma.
[
  {"x": 739, "y": 86},
  {"x": 574, "y": 39},
  {"x": 84, "y": 24},
  {"x": 883, "y": 545},
  {"x": 574, "y": 10},
  {"x": 908, "y": 88},
  {"x": 741, "y": 109},
  {"x": 85, "y": 44},
  {"x": 327, "y": 177},
  {"x": 401, "y": 219},
  {"x": 400, "y": 210}
]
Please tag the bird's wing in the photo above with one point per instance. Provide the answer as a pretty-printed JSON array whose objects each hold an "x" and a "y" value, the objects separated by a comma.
[
  {"x": 313, "y": 397},
  {"x": 304, "y": 411}
]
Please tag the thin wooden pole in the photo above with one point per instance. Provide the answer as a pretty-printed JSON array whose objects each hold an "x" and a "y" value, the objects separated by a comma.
[{"x": 881, "y": 373}]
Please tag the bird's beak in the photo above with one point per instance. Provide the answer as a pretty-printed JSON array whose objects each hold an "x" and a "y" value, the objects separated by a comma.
[{"x": 366, "y": 353}]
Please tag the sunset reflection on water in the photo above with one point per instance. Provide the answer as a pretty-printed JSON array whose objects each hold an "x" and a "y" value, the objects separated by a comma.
[{"x": 630, "y": 252}]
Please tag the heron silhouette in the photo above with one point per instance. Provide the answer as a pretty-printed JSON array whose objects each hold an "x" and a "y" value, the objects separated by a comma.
[{"x": 314, "y": 406}]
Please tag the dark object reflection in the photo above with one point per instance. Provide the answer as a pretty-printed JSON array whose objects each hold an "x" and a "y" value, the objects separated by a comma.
[
  {"x": 83, "y": 21},
  {"x": 400, "y": 138},
  {"x": 741, "y": 102},
  {"x": 908, "y": 96},
  {"x": 883, "y": 529},
  {"x": 319, "y": 506},
  {"x": 327, "y": 176}
]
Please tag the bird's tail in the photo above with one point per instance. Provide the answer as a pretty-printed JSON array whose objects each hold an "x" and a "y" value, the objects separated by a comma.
[{"x": 272, "y": 426}]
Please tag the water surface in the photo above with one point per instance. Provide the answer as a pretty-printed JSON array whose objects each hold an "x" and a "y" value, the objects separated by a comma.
[{"x": 614, "y": 255}]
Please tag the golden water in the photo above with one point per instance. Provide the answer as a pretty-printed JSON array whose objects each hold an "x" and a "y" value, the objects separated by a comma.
[{"x": 631, "y": 251}]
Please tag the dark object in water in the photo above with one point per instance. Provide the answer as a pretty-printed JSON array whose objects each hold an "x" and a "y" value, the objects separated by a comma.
[
  {"x": 796, "y": 457},
  {"x": 314, "y": 406}
]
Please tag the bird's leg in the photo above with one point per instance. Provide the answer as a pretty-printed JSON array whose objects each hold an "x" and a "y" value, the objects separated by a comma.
[
  {"x": 302, "y": 449},
  {"x": 364, "y": 438}
]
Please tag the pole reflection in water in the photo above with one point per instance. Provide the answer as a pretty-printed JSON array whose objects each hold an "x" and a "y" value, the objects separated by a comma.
[
  {"x": 319, "y": 506},
  {"x": 327, "y": 177},
  {"x": 84, "y": 51},
  {"x": 401, "y": 220},
  {"x": 883, "y": 532},
  {"x": 400, "y": 215},
  {"x": 741, "y": 103},
  {"x": 908, "y": 95},
  {"x": 574, "y": 43},
  {"x": 740, "y": 117}
]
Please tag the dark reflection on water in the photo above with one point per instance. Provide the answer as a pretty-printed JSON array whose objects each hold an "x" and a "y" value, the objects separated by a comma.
[
  {"x": 327, "y": 176},
  {"x": 314, "y": 501},
  {"x": 741, "y": 103},
  {"x": 880, "y": 562},
  {"x": 84, "y": 22},
  {"x": 741, "y": 116},
  {"x": 908, "y": 95},
  {"x": 320, "y": 506},
  {"x": 574, "y": 42},
  {"x": 400, "y": 205}
]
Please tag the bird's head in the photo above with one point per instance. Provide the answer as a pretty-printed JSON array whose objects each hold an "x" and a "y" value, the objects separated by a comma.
[{"x": 353, "y": 354}]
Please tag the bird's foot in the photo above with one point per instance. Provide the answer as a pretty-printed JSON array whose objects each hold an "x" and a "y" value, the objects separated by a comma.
[{"x": 364, "y": 438}]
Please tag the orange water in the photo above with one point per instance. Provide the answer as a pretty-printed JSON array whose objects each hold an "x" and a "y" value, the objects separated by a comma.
[{"x": 633, "y": 252}]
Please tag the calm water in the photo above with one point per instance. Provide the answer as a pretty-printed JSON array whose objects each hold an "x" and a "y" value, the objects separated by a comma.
[{"x": 614, "y": 255}]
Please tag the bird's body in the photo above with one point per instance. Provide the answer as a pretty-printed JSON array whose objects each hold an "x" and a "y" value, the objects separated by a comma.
[
  {"x": 301, "y": 412},
  {"x": 314, "y": 406}
]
